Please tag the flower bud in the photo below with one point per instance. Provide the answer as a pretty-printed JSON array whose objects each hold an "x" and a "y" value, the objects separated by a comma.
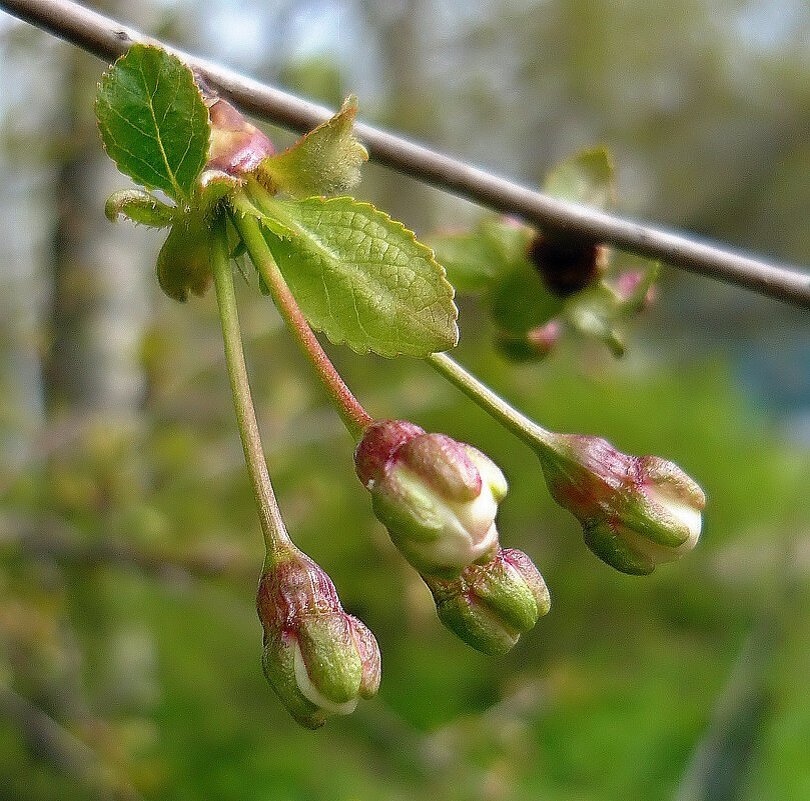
[
  {"x": 237, "y": 146},
  {"x": 437, "y": 497},
  {"x": 635, "y": 289},
  {"x": 636, "y": 511},
  {"x": 318, "y": 659},
  {"x": 489, "y": 606}
]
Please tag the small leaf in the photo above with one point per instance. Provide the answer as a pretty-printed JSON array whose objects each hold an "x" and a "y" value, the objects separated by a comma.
[
  {"x": 594, "y": 312},
  {"x": 520, "y": 301},
  {"x": 588, "y": 177},
  {"x": 363, "y": 278},
  {"x": 324, "y": 162},
  {"x": 183, "y": 264},
  {"x": 475, "y": 259},
  {"x": 139, "y": 207},
  {"x": 153, "y": 120}
]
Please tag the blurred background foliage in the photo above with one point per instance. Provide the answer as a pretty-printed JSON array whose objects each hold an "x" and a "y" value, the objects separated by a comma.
[{"x": 129, "y": 548}]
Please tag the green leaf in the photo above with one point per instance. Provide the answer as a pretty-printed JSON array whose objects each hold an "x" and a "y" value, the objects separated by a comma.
[
  {"x": 324, "y": 162},
  {"x": 594, "y": 313},
  {"x": 587, "y": 177},
  {"x": 362, "y": 278},
  {"x": 475, "y": 259},
  {"x": 520, "y": 301},
  {"x": 153, "y": 120},
  {"x": 139, "y": 207}
]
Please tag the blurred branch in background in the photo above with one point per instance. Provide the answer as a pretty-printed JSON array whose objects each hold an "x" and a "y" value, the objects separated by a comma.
[
  {"x": 108, "y": 39},
  {"x": 52, "y": 742}
]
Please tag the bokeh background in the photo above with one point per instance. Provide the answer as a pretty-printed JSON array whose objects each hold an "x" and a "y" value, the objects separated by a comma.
[{"x": 129, "y": 547}]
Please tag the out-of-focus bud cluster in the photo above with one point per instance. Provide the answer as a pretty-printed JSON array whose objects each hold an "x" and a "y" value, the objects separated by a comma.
[
  {"x": 489, "y": 606},
  {"x": 636, "y": 511},
  {"x": 566, "y": 265},
  {"x": 318, "y": 659},
  {"x": 437, "y": 497}
]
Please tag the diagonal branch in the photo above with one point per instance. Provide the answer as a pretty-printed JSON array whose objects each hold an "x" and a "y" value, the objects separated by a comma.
[{"x": 108, "y": 39}]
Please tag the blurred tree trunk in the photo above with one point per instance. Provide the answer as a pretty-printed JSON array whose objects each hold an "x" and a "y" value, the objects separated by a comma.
[
  {"x": 97, "y": 301},
  {"x": 409, "y": 108}
]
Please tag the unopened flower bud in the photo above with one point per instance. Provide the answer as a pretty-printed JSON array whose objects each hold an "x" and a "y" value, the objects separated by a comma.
[
  {"x": 318, "y": 659},
  {"x": 566, "y": 265},
  {"x": 237, "y": 146},
  {"x": 636, "y": 511},
  {"x": 634, "y": 289},
  {"x": 489, "y": 606},
  {"x": 437, "y": 497}
]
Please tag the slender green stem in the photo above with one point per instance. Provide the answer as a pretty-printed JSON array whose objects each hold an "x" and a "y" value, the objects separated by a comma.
[
  {"x": 275, "y": 534},
  {"x": 520, "y": 425},
  {"x": 351, "y": 411}
]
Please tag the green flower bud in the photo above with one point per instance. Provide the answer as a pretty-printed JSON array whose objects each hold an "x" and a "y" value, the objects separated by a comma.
[
  {"x": 636, "y": 511},
  {"x": 318, "y": 659},
  {"x": 489, "y": 606},
  {"x": 437, "y": 497}
]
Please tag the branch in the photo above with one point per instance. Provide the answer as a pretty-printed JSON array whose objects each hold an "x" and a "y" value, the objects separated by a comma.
[{"x": 108, "y": 39}]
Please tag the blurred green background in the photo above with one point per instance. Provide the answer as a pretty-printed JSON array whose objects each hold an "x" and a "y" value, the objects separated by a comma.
[{"x": 129, "y": 547}]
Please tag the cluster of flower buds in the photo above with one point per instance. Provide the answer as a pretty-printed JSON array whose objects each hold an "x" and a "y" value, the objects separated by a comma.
[
  {"x": 318, "y": 659},
  {"x": 489, "y": 606},
  {"x": 437, "y": 497},
  {"x": 636, "y": 511}
]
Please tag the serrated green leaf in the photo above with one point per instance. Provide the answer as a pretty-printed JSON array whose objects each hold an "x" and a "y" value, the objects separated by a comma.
[
  {"x": 153, "y": 120},
  {"x": 324, "y": 162},
  {"x": 587, "y": 177},
  {"x": 139, "y": 207},
  {"x": 475, "y": 259},
  {"x": 362, "y": 278}
]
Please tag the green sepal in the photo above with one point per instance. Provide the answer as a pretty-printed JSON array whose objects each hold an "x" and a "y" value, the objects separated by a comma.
[
  {"x": 139, "y": 207},
  {"x": 278, "y": 664},
  {"x": 331, "y": 657},
  {"x": 326, "y": 161}
]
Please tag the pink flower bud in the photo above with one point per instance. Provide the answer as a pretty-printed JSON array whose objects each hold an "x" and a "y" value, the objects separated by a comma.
[
  {"x": 636, "y": 511},
  {"x": 318, "y": 659},
  {"x": 627, "y": 288},
  {"x": 437, "y": 497},
  {"x": 237, "y": 146}
]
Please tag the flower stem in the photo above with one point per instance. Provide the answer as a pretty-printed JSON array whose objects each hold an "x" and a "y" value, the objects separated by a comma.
[
  {"x": 520, "y": 425},
  {"x": 275, "y": 534},
  {"x": 351, "y": 411}
]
